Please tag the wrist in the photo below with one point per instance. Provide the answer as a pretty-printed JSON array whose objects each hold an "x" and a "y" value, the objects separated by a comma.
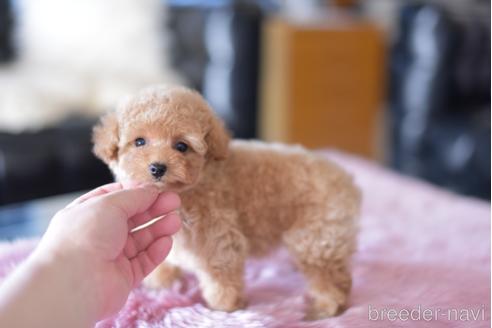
[{"x": 68, "y": 284}]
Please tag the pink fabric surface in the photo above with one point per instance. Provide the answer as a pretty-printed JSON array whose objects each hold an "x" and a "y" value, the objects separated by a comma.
[{"x": 420, "y": 249}]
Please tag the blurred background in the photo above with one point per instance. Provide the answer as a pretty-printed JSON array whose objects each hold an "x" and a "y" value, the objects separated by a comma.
[{"x": 404, "y": 83}]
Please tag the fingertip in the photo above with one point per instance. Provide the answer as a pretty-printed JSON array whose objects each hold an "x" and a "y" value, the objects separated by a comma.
[
  {"x": 130, "y": 184},
  {"x": 159, "y": 249},
  {"x": 174, "y": 222},
  {"x": 167, "y": 226},
  {"x": 147, "y": 186},
  {"x": 172, "y": 199}
]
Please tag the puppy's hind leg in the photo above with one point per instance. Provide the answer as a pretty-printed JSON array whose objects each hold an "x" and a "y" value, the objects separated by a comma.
[
  {"x": 329, "y": 288},
  {"x": 322, "y": 254}
]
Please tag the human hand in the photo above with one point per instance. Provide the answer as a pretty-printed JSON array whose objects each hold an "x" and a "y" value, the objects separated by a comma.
[{"x": 91, "y": 239}]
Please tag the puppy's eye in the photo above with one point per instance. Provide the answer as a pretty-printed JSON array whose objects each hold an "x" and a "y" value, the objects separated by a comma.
[
  {"x": 181, "y": 147},
  {"x": 139, "y": 142}
]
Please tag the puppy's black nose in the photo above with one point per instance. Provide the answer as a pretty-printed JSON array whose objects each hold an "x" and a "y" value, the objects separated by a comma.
[{"x": 157, "y": 170}]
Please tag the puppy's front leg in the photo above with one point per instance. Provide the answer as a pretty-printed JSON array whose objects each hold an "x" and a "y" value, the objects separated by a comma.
[
  {"x": 223, "y": 289},
  {"x": 221, "y": 275},
  {"x": 163, "y": 276}
]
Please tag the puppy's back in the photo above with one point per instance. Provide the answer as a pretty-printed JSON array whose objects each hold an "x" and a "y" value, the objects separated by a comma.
[{"x": 273, "y": 185}]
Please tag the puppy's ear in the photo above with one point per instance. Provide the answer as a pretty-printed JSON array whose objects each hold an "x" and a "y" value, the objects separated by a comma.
[
  {"x": 105, "y": 138},
  {"x": 217, "y": 140}
]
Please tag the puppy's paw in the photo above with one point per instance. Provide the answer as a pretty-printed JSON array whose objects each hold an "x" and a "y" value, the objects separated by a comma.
[
  {"x": 162, "y": 277},
  {"x": 226, "y": 299},
  {"x": 229, "y": 305},
  {"x": 324, "y": 307}
]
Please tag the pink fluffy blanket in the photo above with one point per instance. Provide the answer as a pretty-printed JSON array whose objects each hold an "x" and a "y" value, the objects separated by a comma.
[{"x": 423, "y": 261}]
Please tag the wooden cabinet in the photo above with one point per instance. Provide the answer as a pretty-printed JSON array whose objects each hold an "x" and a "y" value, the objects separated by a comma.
[{"x": 322, "y": 84}]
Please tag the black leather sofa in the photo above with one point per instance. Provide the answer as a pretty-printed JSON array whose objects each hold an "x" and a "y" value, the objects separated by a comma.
[
  {"x": 48, "y": 162},
  {"x": 6, "y": 27},
  {"x": 217, "y": 48},
  {"x": 440, "y": 99}
]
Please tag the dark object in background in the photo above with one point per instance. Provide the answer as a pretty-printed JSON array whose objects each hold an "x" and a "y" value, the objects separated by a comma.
[
  {"x": 186, "y": 43},
  {"x": 49, "y": 162},
  {"x": 217, "y": 48},
  {"x": 440, "y": 99},
  {"x": 59, "y": 159},
  {"x": 6, "y": 27}
]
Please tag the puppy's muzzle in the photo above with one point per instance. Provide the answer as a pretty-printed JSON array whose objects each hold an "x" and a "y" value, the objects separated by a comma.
[{"x": 157, "y": 170}]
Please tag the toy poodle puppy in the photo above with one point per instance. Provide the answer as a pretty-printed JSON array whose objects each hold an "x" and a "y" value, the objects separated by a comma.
[{"x": 239, "y": 198}]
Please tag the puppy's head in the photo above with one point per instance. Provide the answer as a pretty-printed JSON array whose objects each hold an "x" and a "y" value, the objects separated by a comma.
[{"x": 162, "y": 135}]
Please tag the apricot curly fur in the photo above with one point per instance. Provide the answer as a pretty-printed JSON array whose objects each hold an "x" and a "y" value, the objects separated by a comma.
[{"x": 239, "y": 198}]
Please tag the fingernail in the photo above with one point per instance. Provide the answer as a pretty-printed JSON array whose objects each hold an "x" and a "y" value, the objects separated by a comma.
[
  {"x": 130, "y": 184},
  {"x": 149, "y": 186}
]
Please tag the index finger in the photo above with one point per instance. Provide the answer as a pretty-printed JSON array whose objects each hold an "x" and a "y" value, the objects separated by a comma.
[
  {"x": 130, "y": 202},
  {"x": 102, "y": 190}
]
